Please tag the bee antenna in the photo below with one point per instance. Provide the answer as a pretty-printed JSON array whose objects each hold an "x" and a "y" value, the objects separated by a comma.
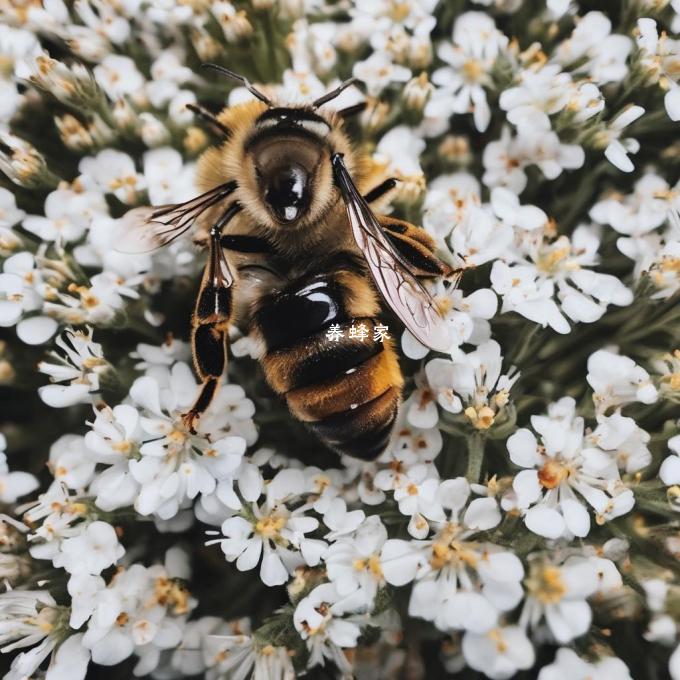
[
  {"x": 333, "y": 93},
  {"x": 244, "y": 81}
]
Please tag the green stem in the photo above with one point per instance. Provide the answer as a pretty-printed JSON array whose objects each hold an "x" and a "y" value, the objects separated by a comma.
[
  {"x": 475, "y": 443},
  {"x": 525, "y": 345}
]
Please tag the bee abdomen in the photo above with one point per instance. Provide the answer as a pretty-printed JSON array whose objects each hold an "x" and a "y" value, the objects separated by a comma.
[
  {"x": 346, "y": 391},
  {"x": 364, "y": 430}
]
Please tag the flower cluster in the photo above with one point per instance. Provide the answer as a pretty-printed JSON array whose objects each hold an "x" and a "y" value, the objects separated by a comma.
[{"x": 523, "y": 517}]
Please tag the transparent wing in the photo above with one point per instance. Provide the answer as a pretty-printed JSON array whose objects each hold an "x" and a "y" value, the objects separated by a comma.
[
  {"x": 148, "y": 228},
  {"x": 403, "y": 292}
]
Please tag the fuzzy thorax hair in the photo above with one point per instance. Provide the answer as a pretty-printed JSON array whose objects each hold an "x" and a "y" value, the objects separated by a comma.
[{"x": 232, "y": 161}]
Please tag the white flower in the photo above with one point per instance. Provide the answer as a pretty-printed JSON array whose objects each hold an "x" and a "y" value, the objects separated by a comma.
[
  {"x": 28, "y": 618},
  {"x": 639, "y": 212},
  {"x": 617, "y": 149},
  {"x": 622, "y": 437},
  {"x": 617, "y": 380},
  {"x": 504, "y": 163},
  {"x": 667, "y": 372},
  {"x": 476, "y": 46},
  {"x": 97, "y": 303},
  {"x": 480, "y": 237},
  {"x": 661, "y": 56},
  {"x": 540, "y": 94},
  {"x": 92, "y": 551},
  {"x": 674, "y": 664},
  {"x": 561, "y": 266},
  {"x": 10, "y": 215},
  {"x": 240, "y": 656},
  {"x": 173, "y": 465},
  {"x": 448, "y": 200},
  {"x": 340, "y": 521},
  {"x": 526, "y": 292},
  {"x": 568, "y": 664},
  {"x": 670, "y": 468},
  {"x": 71, "y": 462},
  {"x": 106, "y": 21},
  {"x": 115, "y": 437},
  {"x": 273, "y": 533},
  {"x": 168, "y": 180},
  {"x": 80, "y": 365},
  {"x": 353, "y": 562},
  {"x": 113, "y": 172},
  {"x": 412, "y": 445},
  {"x": 152, "y": 131},
  {"x": 311, "y": 46},
  {"x": 472, "y": 383},
  {"x": 99, "y": 251},
  {"x": 317, "y": 619},
  {"x": 661, "y": 264},
  {"x": 68, "y": 214},
  {"x": 506, "y": 206},
  {"x": 378, "y": 71},
  {"x": 234, "y": 23},
  {"x": 461, "y": 582},
  {"x": 73, "y": 85},
  {"x": 504, "y": 160},
  {"x": 499, "y": 653},
  {"x": 585, "y": 101},
  {"x": 557, "y": 594},
  {"x": 563, "y": 471},
  {"x": 21, "y": 291},
  {"x": 168, "y": 71},
  {"x": 141, "y": 611},
  {"x": 166, "y": 354},
  {"x": 550, "y": 154},
  {"x": 416, "y": 492},
  {"x": 118, "y": 76},
  {"x": 13, "y": 485},
  {"x": 602, "y": 54},
  {"x": 70, "y": 660},
  {"x": 399, "y": 151}
]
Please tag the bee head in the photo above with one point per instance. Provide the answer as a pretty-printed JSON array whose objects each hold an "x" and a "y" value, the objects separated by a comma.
[
  {"x": 288, "y": 146},
  {"x": 284, "y": 171}
]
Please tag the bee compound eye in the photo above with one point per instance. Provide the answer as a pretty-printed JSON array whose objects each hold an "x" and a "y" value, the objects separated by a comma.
[{"x": 287, "y": 192}]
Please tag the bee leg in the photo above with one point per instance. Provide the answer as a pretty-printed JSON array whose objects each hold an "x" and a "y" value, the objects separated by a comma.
[
  {"x": 243, "y": 243},
  {"x": 382, "y": 189},
  {"x": 210, "y": 322},
  {"x": 208, "y": 342},
  {"x": 416, "y": 246},
  {"x": 353, "y": 110}
]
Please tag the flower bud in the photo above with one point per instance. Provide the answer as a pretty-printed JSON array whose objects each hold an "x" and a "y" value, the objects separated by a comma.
[
  {"x": 73, "y": 85},
  {"x": 207, "y": 48},
  {"x": 417, "y": 91},
  {"x": 73, "y": 133},
  {"x": 24, "y": 164},
  {"x": 235, "y": 23},
  {"x": 153, "y": 132},
  {"x": 455, "y": 149}
]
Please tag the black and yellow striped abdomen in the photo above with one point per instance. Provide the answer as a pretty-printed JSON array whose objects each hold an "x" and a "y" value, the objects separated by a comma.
[{"x": 348, "y": 390}]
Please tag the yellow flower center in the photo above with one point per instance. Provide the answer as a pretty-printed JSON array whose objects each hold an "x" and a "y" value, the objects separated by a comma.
[
  {"x": 552, "y": 474},
  {"x": 482, "y": 418},
  {"x": 547, "y": 585},
  {"x": 473, "y": 70},
  {"x": 371, "y": 564},
  {"x": 269, "y": 527}
]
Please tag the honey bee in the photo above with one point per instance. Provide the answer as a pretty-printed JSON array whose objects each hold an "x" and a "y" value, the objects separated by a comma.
[{"x": 293, "y": 248}]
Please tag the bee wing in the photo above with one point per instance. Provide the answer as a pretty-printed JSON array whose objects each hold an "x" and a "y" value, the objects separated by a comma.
[
  {"x": 403, "y": 292},
  {"x": 148, "y": 228}
]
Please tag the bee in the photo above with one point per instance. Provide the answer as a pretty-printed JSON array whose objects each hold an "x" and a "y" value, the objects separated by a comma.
[{"x": 294, "y": 248}]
